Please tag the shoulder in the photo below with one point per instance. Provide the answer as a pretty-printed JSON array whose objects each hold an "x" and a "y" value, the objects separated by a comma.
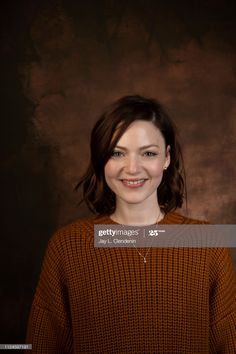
[
  {"x": 219, "y": 258},
  {"x": 79, "y": 231},
  {"x": 176, "y": 218}
]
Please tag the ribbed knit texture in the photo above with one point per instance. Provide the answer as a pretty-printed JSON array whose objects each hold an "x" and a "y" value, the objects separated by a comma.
[{"x": 106, "y": 300}]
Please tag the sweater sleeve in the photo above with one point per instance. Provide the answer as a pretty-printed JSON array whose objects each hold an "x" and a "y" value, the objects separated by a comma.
[
  {"x": 49, "y": 328},
  {"x": 222, "y": 303}
]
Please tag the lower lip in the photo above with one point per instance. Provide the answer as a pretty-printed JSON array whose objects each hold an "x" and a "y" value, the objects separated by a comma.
[{"x": 132, "y": 186}]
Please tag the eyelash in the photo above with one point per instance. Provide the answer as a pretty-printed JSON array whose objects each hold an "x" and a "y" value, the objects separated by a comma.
[
  {"x": 151, "y": 153},
  {"x": 117, "y": 154}
]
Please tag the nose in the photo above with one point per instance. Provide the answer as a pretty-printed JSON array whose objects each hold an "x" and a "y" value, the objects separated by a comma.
[{"x": 132, "y": 165}]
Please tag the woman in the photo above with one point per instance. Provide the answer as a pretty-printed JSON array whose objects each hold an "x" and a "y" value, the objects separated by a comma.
[{"x": 133, "y": 300}]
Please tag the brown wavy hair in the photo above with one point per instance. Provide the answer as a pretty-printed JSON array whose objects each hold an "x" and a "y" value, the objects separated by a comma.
[{"x": 106, "y": 133}]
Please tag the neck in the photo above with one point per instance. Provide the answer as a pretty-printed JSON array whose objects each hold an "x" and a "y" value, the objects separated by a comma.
[{"x": 133, "y": 214}]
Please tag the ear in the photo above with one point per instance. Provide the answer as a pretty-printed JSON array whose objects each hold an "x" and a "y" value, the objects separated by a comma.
[{"x": 167, "y": 162}]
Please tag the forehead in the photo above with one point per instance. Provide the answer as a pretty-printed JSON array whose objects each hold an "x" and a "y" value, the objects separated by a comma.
[{"x": 141, "y": 131}]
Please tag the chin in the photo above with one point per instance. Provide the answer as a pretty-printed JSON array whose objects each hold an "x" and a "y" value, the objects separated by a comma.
[{"x": 133, "y": 200}]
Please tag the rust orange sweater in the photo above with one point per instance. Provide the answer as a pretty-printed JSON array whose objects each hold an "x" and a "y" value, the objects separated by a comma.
[{"x": 106, "y": 300}]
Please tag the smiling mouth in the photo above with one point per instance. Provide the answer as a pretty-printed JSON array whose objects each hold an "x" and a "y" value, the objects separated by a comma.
[{"x": 133, "y": 182}]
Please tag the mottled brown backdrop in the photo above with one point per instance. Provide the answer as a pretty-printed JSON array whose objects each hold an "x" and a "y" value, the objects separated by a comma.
[{"x": 62, "y": 63}]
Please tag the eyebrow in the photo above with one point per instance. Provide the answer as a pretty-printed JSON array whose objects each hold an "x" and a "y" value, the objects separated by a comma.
[{"x": 141, "y": 148}]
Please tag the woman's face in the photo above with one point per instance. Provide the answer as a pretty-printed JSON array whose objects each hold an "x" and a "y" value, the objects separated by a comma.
[{"x": 135, "y": 168}]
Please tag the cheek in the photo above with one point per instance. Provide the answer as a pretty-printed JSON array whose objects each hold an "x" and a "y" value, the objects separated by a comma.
[
  {"x": 110, "y": 169},
  {"x": 110, "y": 172},
  {"x": 156, "y": 170}
]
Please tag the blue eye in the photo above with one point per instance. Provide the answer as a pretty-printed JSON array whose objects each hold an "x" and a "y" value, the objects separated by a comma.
[
  {"x": 150, "y": 153},
  {"x": 116, "y": 153}
]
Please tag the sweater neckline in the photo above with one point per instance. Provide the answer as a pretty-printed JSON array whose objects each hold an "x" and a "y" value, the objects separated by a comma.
[{"x": 169, "y": 218}]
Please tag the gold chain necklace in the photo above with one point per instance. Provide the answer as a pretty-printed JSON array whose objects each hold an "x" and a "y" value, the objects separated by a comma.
[{"x": 141, "y": 255}]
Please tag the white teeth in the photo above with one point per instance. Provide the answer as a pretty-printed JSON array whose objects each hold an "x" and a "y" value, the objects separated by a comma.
[{"x": 134, "y": 182}]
